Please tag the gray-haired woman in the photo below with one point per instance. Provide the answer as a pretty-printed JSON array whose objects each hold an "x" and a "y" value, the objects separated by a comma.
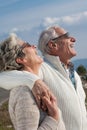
[{"x": 15, "y": 54}]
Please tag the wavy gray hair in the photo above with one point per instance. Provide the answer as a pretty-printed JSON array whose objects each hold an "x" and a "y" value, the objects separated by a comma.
[{"x": 8, "y": 53}]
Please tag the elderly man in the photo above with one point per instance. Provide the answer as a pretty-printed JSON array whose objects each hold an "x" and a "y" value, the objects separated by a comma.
[
  {"x": 58, "y": 73},
  {"x": 57, "y": 48}
]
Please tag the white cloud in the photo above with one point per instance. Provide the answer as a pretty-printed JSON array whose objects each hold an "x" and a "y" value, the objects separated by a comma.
[
  {"x": 72, "y": 19},
  {"x": 69, "y": 20},
  {"x": 49, "y": 20},
  {"x": 15, "y": 30},
  {"x": 85, "y": 13}
]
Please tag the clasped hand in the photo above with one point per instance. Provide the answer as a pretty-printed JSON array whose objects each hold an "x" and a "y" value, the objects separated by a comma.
[{"x": 45, "y": 99}]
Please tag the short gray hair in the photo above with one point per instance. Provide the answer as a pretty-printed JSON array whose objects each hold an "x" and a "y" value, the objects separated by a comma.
[
  {"x": 45, "y": 37},
  {"x": 8, "y": 53}
]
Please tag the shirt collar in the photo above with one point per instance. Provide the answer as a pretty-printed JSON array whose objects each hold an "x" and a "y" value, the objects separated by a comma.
[{"x": 55, "y": 62}]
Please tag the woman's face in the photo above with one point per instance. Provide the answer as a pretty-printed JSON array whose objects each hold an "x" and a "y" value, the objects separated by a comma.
[{"x": 31, "y": 57}]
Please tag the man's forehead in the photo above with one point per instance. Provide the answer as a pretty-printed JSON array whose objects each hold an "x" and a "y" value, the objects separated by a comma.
[{"x": 59, "y": 30}]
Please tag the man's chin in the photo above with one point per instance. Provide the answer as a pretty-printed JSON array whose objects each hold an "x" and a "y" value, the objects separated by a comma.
[{"x": 73, "y": 55}]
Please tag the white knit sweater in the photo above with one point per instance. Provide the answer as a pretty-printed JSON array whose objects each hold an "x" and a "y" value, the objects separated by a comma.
[
  {"x": 70, "y": 101},
  {"x": 15, "y": 78},
  {"x": 23, "y": 110},
  {"x": 25, "y": 114}
]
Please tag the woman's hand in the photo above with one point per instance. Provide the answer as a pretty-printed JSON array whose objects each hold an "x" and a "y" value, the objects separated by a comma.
[
  {"x": 39, "y": 90},
  {"x": 51, "y": 107}
]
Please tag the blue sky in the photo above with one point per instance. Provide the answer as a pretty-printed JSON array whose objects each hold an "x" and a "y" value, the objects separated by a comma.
[{"x": 27, "y": 18}]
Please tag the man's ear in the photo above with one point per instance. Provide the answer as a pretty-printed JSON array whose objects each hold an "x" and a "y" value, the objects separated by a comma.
[{"x": 52, "y": 45}]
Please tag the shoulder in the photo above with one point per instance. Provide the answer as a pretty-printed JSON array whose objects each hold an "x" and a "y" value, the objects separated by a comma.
[
  {"x": 45, "y": 66},
  {"x": 20, "y": 90},
  {"x": 21, "y": 94}
]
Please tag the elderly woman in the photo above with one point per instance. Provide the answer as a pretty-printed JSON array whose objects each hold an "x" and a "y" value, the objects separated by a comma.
[{"x": 16, "y": 54}]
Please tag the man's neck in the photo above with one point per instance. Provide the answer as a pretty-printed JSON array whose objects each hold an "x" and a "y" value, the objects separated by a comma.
[{"x": 65, "y": 63}]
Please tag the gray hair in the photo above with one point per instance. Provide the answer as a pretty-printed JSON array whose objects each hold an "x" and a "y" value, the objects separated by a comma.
[
  {"x": 8, "y": 53},
  {"x": 45, "y": 37}
]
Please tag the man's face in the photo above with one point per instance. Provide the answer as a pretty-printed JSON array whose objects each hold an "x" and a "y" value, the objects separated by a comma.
[{"x": 65, "y": 46}]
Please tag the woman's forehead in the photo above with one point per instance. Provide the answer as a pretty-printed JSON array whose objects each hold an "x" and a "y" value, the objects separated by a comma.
[{"x": 20, "y": 42}]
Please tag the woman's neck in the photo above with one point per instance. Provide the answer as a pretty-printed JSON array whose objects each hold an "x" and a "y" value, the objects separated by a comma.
[{"x": 34, "y": 69}]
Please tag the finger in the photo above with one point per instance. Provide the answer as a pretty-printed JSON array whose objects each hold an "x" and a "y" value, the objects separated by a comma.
[
  {"x": 43, "y": 105},
  {"x": 52, "y": 97},
  {"x": 38, "y": 100},
  {"x": 46, "y": 94},
  {"x": 47, "y": 102}
]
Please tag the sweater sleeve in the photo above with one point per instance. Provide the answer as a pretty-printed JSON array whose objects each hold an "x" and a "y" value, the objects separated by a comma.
[
  {"x": 50, "y": 124},
  {"x": 11, "y": 79},
  {"x": 25, "y": 114}
]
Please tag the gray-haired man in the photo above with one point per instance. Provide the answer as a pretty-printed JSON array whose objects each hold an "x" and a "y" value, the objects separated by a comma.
[{"x": 57, "y": 48}]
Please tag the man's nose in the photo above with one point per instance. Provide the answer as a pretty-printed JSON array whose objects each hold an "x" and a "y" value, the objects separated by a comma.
[{"x": 72, "y": 39}]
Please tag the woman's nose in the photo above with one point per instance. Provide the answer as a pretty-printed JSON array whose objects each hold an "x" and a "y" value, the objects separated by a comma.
[{"x": 34, "y": 46}]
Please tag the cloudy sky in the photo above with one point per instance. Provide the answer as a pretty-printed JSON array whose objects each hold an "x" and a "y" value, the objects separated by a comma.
[{"x": 27, "y": 18}]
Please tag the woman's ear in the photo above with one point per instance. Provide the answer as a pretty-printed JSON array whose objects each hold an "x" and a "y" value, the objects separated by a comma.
[{"x": 19, "y": 60}]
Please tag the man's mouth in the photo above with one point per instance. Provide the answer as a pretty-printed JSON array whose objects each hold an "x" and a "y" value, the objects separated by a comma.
[{"x": 72, "y": 45}]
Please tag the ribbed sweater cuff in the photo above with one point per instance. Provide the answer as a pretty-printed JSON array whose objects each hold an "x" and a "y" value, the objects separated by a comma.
[{"x": 50, "y": 123}]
